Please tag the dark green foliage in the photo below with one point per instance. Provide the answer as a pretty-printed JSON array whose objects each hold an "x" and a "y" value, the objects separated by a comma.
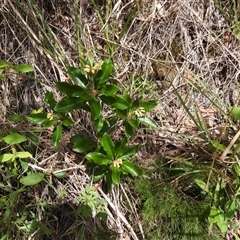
[
  {"x": 168, "y": 215},
  {"x": 168, "y": 212}
]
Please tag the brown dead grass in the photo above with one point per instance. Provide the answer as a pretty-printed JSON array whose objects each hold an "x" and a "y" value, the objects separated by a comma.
[{"x": 178, "y": 36}]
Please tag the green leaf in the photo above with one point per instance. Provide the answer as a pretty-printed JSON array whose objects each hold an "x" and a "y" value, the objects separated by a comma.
[
  {"x": 201, "y": 184},
  {"x": 148, "y": 122},
  {"x": 56, "y": 136},
  {"x": 98, "y": 158},
  {"x": 135, "y": 105},
  {"x": 236, "y": 168},
  {"x": 109, "y": 181},
  {"x": 108, "y": 126},
  {"x": 33, "y": 138},
  {"x": 148, "y": 105},
  {"x": 217, "y": 216},
  {"x": 23, "y": 154},
  {"x": 127, "y": 99},
  {"x": 4, "y": 64},
  {"x": 67, "y": 122},
  {"x": 128, "y": 167},
  {"x": 213, "y": 216},
  {"x": 120, "y": 103},
  {"x": 123, "y": 114},
  {"x": 49, "y": 100},
  {"x": 37, "y": 118},
  {"x": 99, "y": 173},
  {"x": 130, "y": 152},
  {"x": 6, "y": 157},
  {"x": 32, "y": 179},
  {"x": 115, "y": 174},
  {"x": 235, "y": 112},
  {"x": 102, "y": 215},
  {"x": 74, "y": 90},
  {"x": 218, "y": 146},
  {"x": 40, "y": 110},
  {"x": 230, "y": 208},
  {"x": 69, "y": 104},
  {"x": 82, "y": 143},
  {"x": 15, "y": 118},
  {"x": 79, "y": 137},
  {"x": 90, "y": 58},
  {"x": 14, "y": 138},
  {"x": 24, "y": 68},
  {"x": 38, "y": 225},
  {"x": 24, "y": 165},
  {"x": 89, "y": 189},
  {"x": 84, "y": 210},
  {"x": 134, "y": 122},
  {"x": 103, "y": 75},
  {"x": 108, "y": 145},
  {"x": 77, "y": 77},
  {"x": 128, "y": 129},
  {"x": 50, "y": 122},
  {"x": 109, "y": 90},
  {"x": 61, "y": 174},
  {"x": 98, "y": 124},
  {"x": 95, "y": 109},
  {"x": 121, "y": 148},
  {"x": 108, "y": 100}
]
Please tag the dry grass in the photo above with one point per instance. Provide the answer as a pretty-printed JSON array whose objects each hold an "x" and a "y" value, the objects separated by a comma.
[{"x": 164, "y": 40}]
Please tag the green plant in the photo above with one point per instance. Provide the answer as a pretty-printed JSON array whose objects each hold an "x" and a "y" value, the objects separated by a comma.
[
  {"x": 93, "y": 92},
  {"x": 222, "y": 207},
  {"x": 7, "y": 69},
  {"x": 110, "y": 26},
  {"x": 168, "y": 213},
  {"x": 17, "y": 157},
  {"x": 111, "y": 160},
  {"x": 14, "y": 138},
  {"x": 230, "y": 12},
  {"x": 220, "y": 182},
  {"x": 225, "y": 192},
  {"x": 90, "y": 203},
  {"x": 16, "y": 221}
]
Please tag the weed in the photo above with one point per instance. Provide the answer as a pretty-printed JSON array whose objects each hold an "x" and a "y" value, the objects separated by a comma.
[{"x": 91, "y": 91}]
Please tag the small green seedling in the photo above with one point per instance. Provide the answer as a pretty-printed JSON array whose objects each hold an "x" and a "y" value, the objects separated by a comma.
[
  {"x": 90, "y": 203},
  {"x": 12, "y": 139}
]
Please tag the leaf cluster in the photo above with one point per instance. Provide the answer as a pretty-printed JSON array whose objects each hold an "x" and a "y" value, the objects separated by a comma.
[
  {"x": 89, "y": 202},
  {"x": 91, "y": 90},
  {"x": 224, "y": 193}
]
